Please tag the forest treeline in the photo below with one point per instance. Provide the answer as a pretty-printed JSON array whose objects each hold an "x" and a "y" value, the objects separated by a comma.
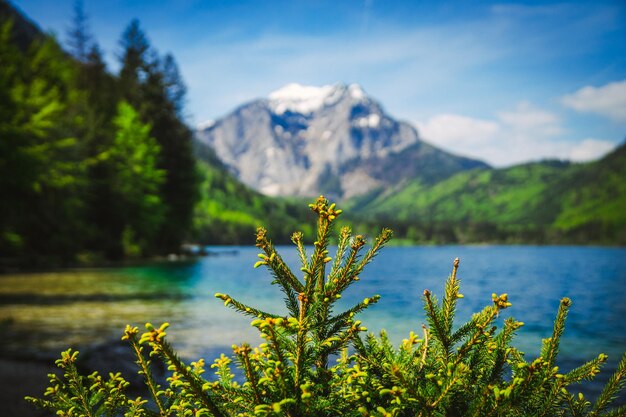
[
  {"x": 93, "y": 165},
  {"x": 97, "y": 166}
]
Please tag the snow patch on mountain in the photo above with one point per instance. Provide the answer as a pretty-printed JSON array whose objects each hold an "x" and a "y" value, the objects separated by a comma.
[
  {"x": 207, "y": 124},
  {"x": 305, "y": 99},
  {"x": 372, "y": 121},
  {"x": 356, "y": 92}
]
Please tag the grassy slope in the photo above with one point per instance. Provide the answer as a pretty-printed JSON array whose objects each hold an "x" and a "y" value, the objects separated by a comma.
[
  {"x": 569, "y": 203},
  {"x": 593, "y": 198}
]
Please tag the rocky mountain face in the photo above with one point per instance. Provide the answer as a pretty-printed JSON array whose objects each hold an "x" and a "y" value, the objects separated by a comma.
[{"x": 332, "y": 140}]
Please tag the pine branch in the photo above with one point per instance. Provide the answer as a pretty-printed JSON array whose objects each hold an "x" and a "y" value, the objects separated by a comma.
[
  {"x": 586, "y": 371},
  {"x": 434, "y": 316},
  {"x": 450, "y": 297},
  {"x": 326, "y": 214},
  {"x": 243, "y": 353},
  {"x": 275, "y": 262},
  {"x": 612, "y": 387},
  {"x": 380, "y": 241},
  {"x": 156, "y": 339},
  {"x": 488, "y": 314},
  {"x": 342, "y": 320},
  {"x": 618, "y": 412},
  {"x": 243, "y": 308},
  {"x": 77, "y": 389},
  {"x": 551, "y": 347},
  {"x": 344, "y": 275},
  {"x": 463, "y": 331},
  {"x": 502, "y": 350},
  {"x": 344, "y": 239},
  {"x": 282, "y": 276},
  {"x": 130, "y": 334}
]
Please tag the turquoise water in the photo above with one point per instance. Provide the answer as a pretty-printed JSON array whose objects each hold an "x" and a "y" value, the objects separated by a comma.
[{"x": 42, "y": 313}]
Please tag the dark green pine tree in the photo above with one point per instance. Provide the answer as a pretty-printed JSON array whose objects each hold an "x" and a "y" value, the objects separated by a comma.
[
  {"x": 155, "y": 88},
  {"x": 104, "y": 210},
  {"x": 163, "y": 107},
  {"x": 134, "y": 62},
  {"x": 99, "y": 98},
  {"x": 79, "y": 38},
  {"x": 175, "y": 88}
]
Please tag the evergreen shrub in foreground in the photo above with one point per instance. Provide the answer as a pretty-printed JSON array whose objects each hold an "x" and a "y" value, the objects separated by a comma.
[{"x": 314, "y": 362}]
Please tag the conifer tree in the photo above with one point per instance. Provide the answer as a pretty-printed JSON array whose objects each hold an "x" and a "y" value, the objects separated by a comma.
[
  {"x": 156, "y": 90},
  {"x": 57, "y": 121},
  {"x": 175, "y": 89},
  {"x": 99, "y": 108},
  {"x": 134, "y": 60},
  {"x": 472, "y": 370},
  {"x": 79, "y": 39}
]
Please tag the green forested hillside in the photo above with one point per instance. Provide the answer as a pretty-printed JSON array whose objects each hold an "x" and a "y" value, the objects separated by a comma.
[
  {"x": 228, "y": 212},
  {"x": 543, "y": 202},
  {"x": 593, "y": 200}
]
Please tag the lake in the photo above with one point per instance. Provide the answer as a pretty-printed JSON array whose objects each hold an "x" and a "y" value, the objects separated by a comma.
[{"x": 43, "y": 313}]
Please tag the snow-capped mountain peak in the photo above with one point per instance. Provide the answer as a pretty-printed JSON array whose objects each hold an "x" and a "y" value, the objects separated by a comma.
[
  {"x": 304, "y": 99},
  {"x": 333, "y": 140}
]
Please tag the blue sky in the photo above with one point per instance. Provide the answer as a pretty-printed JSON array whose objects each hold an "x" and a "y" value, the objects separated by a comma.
[{"x": 504, "y": 82}]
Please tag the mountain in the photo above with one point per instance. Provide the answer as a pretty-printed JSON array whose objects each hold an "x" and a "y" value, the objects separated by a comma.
[
  {"x": 333, "y": 140},
  {"x": 541, "y": 202}
]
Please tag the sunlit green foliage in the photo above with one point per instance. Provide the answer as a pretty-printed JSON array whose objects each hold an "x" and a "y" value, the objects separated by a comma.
[
  {"x": 313, "y": 361},
  {"x": 136, "y": 179},
  {"x": 41, "y": 171},
  {"x": 93, "y": 166}
]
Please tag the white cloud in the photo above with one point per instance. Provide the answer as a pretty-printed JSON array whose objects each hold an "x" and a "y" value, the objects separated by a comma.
[
  {"x": 459, "y": 132},
  {"x": 528, "y": 119},
  {"x": 590, "y": 149},
  {"x": 608, "y": 100},
  {"x": 524, "y": 134}
]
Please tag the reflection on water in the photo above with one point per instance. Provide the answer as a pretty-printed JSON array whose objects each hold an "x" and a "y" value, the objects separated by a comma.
[{"x": 41, "y": 314}]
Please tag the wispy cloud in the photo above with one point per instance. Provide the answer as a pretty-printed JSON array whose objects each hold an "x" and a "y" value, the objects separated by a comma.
[
  {"x": 395, "y": 66},
  {"x": 529, "y": 120},
  {"x": 460, "y": 134},
  {"x": 525, "y": 133},
  {"x": 608, "y": 100}
]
